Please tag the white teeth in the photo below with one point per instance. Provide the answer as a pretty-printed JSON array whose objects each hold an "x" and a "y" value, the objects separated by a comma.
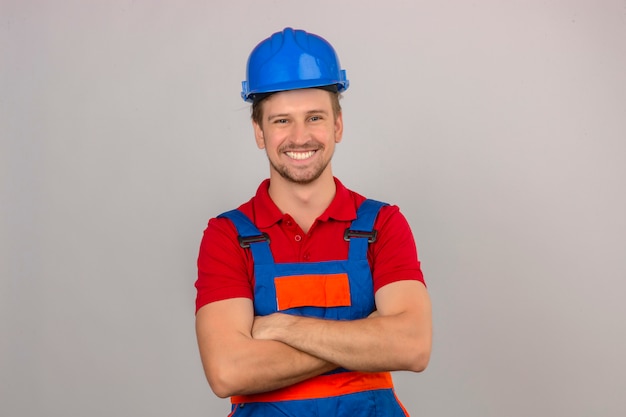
[{"x": 300, "y": 155}]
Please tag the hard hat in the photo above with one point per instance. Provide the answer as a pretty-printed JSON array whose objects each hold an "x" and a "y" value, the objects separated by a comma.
[{"x": 290, "y": 60}]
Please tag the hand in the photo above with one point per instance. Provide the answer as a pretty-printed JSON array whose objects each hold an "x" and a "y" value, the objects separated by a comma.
[{"x": 271, "y": 326}]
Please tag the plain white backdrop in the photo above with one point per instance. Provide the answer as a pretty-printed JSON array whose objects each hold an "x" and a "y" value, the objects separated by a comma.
[{"x": 499, "y": 128}]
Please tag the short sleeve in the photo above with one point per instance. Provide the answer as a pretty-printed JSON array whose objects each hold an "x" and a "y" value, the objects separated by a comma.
[
  {"x": 393, "y": 257},
  {"x": 224, "y": 270}
]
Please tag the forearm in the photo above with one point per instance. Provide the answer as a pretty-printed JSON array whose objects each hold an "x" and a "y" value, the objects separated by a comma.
[
  {"x": 237, "y": 364},
  {"x": 381, "y": 343},
  {"x": 397, "y": 337},
  {"x": 256, "y": 366}
]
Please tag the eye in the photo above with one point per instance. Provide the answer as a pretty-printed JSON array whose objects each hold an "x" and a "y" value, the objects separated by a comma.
[
  {"x": 280, "y": 121},
  {"x": 315, "y": 118}
]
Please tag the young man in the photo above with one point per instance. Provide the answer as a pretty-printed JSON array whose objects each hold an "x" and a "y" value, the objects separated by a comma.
[{"x": 308, "y": 294}]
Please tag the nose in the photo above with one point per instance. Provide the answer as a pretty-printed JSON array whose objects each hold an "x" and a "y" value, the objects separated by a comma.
[{"x": 300, "y": 133}]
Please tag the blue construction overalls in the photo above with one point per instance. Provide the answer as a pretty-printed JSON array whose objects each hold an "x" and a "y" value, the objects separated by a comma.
[{"x": 337, "y": 290}]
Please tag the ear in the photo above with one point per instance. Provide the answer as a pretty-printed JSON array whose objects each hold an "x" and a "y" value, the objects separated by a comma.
[
  {"x": 338, "y": 127},
  {"x": 258, "y": 135}
]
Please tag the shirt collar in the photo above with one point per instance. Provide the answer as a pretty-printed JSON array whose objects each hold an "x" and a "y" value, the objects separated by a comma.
[
  {"x": 266, "y": 213},
  {"x": 342, "y": 207}
]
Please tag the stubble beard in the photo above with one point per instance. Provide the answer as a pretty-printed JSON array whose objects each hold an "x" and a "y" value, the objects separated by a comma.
[{"x": 307, "y": 176}]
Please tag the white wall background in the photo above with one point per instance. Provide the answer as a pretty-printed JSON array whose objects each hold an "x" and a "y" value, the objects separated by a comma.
[{"x": 498, "y": 127}]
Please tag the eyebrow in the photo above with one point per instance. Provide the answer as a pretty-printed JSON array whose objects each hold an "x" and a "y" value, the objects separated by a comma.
[{"x": 283, "y": 115}]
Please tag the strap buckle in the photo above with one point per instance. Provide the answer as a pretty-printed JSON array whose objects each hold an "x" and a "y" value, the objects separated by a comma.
[
  {"x": 245, "y": 242},
  {"x": 371, "y": 236}
]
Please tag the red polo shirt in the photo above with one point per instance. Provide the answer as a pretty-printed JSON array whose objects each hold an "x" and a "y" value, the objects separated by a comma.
[{"x": 226, "y": 270}]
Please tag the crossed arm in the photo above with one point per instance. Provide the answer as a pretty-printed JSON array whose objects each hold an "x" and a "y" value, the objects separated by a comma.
[{"x": 242, "y": 354}]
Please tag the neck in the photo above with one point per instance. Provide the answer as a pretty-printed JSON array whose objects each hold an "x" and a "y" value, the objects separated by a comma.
[{"x": 303, "y": 202}]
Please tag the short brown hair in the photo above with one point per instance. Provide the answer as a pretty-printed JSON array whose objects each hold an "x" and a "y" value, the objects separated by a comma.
[{"x": 257, "y": 107}]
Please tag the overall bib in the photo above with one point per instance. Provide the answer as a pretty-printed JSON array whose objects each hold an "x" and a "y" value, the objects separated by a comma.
[{"x": 333, "y": 290}]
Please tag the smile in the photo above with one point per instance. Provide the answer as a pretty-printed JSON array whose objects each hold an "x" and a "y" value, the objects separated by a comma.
[{"x": 300, "y": 155}]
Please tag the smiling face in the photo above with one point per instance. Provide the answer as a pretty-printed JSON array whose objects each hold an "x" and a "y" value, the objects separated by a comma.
[{"x": 298, "y": 131}]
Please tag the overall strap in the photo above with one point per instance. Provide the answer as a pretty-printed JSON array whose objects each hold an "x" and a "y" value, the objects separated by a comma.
[
  {"x": 251, "y": 237},
  {"x": 361, "y": 231}
]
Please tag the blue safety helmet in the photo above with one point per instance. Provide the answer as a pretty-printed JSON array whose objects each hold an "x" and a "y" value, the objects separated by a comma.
[{"x": 290, "y": 60}]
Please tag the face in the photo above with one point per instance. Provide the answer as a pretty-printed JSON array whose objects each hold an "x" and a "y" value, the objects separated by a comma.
[{"x": 299, "y": 132}]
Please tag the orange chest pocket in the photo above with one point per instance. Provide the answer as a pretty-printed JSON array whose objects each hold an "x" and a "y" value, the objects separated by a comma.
[{"x": 312, "y": 290}]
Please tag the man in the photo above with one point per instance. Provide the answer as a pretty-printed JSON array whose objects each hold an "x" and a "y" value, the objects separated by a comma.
[{"x": 308, "y": 294}]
